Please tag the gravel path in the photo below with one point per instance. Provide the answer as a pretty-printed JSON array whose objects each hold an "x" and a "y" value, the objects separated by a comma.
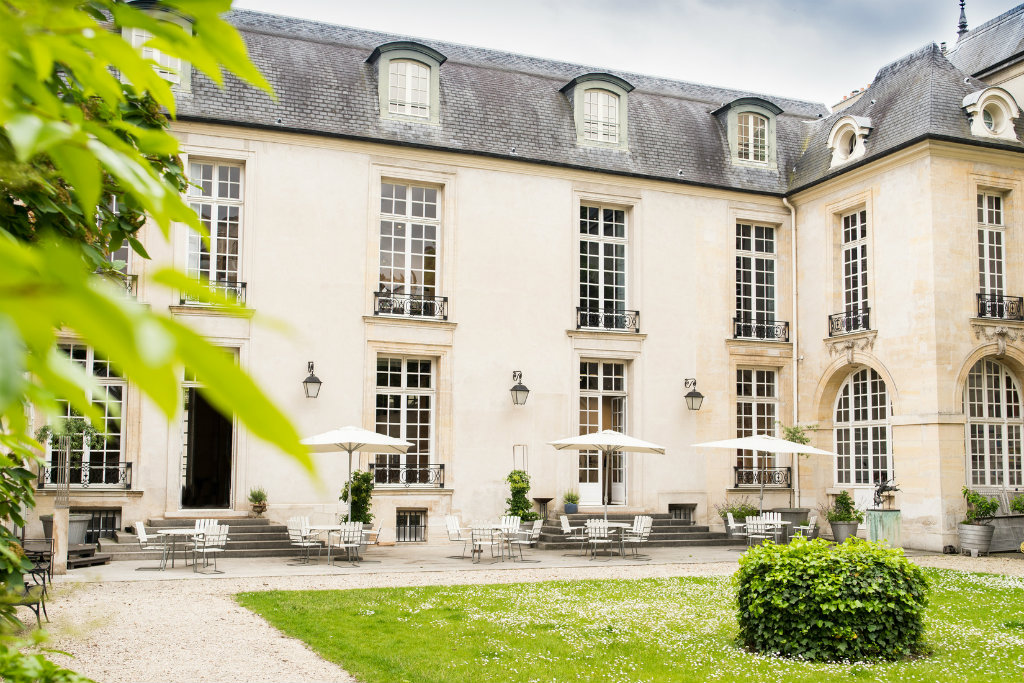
[{"x": 194, "y": 631}]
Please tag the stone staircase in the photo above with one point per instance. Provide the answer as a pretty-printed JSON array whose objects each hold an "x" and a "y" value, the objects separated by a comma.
[
  {"x": 666, "y": 531},
  {"x": 247, "y": 537}
]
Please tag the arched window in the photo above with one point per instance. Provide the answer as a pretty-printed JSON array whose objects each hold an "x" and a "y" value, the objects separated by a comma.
[
  {"x": 408, "y": 88},
  {"x": 601, "y": 116},
  {"x": 862, "y": 439},
  {"x": 993, "y": 409},
  {"x": 752, "y": 137}
]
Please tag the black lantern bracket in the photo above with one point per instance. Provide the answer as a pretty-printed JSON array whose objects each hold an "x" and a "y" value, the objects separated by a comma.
[
  {"x": 311, "y": 384},
  {"x": 519, "y": 391},
  {"x": 693, "y": 398}
]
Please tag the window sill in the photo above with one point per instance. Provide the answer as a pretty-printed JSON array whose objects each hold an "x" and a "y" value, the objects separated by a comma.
[
  {"x": 92, "y": 492},
  {"x": 207, "y": 309},
  {"x": 407, "y": 320}
]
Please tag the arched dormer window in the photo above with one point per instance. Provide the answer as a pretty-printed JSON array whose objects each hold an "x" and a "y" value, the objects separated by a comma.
[
  {"x": 846, "y": 140},
  {"x": 172, "y": 69},
  {"x": 750, "y": 126},
  {"x": 409, "y": 81},
  {"x": 600, "y": 108},
  {"x": 991, "y": 113}
]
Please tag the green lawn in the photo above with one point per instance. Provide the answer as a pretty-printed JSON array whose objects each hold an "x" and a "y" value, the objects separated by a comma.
[{"x": 679, "y": 629}]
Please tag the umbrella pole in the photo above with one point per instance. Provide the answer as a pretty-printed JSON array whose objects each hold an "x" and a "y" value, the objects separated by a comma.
[
  {"x": 605, "y": 483},
  {"x": 350, "y": 486}
]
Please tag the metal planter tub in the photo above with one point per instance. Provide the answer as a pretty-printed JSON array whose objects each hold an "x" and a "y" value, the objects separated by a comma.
[
  {"x": 843, "y": 530},
  {"x": 975, "y": 539}
]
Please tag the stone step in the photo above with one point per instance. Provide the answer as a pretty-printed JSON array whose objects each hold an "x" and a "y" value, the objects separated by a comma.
[
  {"x": 687, "y": 543},
  {"x": 138, "y": 555},
  {"x": 185, "y": 523}
]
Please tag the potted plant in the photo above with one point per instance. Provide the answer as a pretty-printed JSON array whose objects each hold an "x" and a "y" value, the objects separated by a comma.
[
  {"x": 571, "y": 501},
  {"x": 975, "y": 531},
  {"x": 740, "y": 509},
  {"x": 844, "y": 517},
  {"x": 258, "y": 501},
  {"x": 361, "y": 488},
  {"x": 517, "y": 504}
]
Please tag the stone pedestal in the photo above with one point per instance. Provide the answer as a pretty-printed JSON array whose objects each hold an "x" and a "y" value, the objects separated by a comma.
[
  {"x": 60, "y": 541},
  {"x": 885, "y": 525}
]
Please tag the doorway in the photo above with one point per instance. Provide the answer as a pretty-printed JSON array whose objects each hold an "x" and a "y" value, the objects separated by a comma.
[{"x": 206, "y": 454}]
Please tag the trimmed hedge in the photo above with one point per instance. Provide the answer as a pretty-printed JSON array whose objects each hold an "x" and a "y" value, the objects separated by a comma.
[{"x": 857, "y": 601}]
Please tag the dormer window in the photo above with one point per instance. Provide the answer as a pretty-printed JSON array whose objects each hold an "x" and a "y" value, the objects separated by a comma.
[
  {"x": 600, "y": 107},
  {"x": 168, "y": 67},
  {"x": 172, "y": 69},
  {"x": 752, "y": 137},
  {"x": 991, "y": 113},
  {"x": 408, "y": 88},
  {"x": 750, "y": 129},
  {"x": 409, "y": 81},
  {"x": 846, "y": 140}
]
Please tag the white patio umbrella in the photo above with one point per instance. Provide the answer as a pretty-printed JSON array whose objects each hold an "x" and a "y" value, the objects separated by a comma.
[
  {"x": 351, "y": 439},
  {"x": 607, "y": 442},
  {"x": 763, "y": 442}
]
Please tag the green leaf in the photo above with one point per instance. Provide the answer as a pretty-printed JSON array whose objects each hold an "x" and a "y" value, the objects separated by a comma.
[{"x": 12, "y": 360}]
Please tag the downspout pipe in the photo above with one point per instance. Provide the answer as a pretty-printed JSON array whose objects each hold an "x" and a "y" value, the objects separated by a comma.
[{"x": 794, "y": 328}]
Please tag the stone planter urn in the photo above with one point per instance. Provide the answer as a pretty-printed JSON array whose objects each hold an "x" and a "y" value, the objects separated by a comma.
[
  {"x": 78, "y": 525},
  {"x": 843, "y": 530},
  {"x": 258, "y": 509},
  {"x": 975, "y": 539}
]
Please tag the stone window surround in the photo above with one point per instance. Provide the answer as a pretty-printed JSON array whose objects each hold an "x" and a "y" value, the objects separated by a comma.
[
  {"x": 574, "y": 90},
  {"x": 416, "y": 52},
  {"x": 184, "y": 77},
  {"x": 836, "y": 211},
  {"x": 997, "y": 102},
  {"x": 856, "y": 127}
]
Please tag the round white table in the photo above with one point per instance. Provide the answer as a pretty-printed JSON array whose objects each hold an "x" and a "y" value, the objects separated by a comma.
[{"x": 173, "y": 535}]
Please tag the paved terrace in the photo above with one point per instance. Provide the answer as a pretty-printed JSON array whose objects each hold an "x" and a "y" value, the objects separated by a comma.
[{"x": 120, "y": 624}]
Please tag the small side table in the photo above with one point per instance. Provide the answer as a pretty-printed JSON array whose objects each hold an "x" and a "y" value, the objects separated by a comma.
[{"x": 543, "y": 503}]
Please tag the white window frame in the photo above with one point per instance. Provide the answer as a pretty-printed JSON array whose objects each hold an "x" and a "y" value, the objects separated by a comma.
[
  {"x": 612, "y": 383},
  {"x": 855, "y": 265},
  {"x": 112, "y": 412},
  {"x": 216, "y": 194},
  {"x": 610, "y": 311},
  {"x": 991, "y": 249},
  {"x": 995, "y": 424},
  {"x": 748, "y": 124},
  {"x": 601, "y": 116},
  {"x": 867, "y": 425},
  {"x": 756, "y": 278},
  {"x": 166, "y": 66},
  {"x": 411, "y": 295},
  {"x": 761, "y": 406},
  {"x": 409, "y": 88},
  {"x": 398, "y": 466}
]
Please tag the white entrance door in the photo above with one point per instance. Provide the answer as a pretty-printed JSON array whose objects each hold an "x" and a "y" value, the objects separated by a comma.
[
  {"x": 590, "y": 478},
  {"x": 602, "y": 478}
]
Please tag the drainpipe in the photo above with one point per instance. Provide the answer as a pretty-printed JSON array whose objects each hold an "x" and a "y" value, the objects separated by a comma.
[{"x": 796, "y": 345}]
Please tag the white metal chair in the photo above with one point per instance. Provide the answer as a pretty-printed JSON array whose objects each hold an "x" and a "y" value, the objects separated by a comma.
[
  {"x": 573, "y": 533},
  {"x": 760, "y": 529},
  {"x": 349, "y": 539},
  {"x": 485, "y": 536},
  {"x": 509, "y": 531},
  {"x": 300, "y": 537},
  {"x": 527, "y": 537},
  {"x": 455, "y": 532},
  {"x": 737, "y": 529},
  {"x": 598, "y": 536},
  {"x": 640, "y": 533},
  {"x": 807, "y": 529},
  {"x": 209, "y": 543},
  {"x": 145, "y": 545}
]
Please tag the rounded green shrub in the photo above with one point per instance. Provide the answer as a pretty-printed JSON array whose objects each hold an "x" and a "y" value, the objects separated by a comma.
[{"x": 856, "y": 601}]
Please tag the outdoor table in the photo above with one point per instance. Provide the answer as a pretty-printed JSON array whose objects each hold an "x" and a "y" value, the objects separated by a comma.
[
  {"x": 173, "y": 535},
  {"x": 336, "y": 528}
]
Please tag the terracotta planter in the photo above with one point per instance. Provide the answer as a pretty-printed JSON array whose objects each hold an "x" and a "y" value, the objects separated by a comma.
[
  {"x": 975, "y": 539},
  {"x": 843, "y": 530}
]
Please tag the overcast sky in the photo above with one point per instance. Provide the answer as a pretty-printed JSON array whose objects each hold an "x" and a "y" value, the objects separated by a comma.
[{"x": 816, "y": 50}]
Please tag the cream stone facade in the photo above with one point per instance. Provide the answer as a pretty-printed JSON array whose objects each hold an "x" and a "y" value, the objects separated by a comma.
[{"x": 708, "y": 266}]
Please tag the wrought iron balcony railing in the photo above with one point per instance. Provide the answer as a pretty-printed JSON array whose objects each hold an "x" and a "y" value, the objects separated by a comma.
[
  {"x": 596, "y": 319},
  {"x": 778, "y": 477},
  {"x": 228, "y": 289},
  {"x": 86, "y": 475},
  {"x": 412, "y": 305},
  {"x": 853, "y": 320},
  {"x": 431, "y": 476},
  {"x": 129, "y": 281},
  {"x": 769, "y": 330},
  {"x": 1000, "y": 306}
]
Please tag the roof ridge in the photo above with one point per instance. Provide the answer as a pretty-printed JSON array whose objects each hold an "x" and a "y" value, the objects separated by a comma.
[{"x": 982, "y": 28}]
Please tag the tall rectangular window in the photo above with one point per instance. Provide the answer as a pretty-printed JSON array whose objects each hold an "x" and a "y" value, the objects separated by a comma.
[
  {"x": 755, "y": 280},
  {"x": 601, "y": 116},
  {"x": 216, "y": 195},
  {"x": 405, "y": 410},
  {"x": 410, "y": 236},
  {"x": 757, "y": 408},
  {"x": 855, "y": 270},
  {"x": 991, "y": 256},
  {"x": 603, "y": 398},
  {"x": 99, "y": 459},
  {"x": 603, "y": 241}
]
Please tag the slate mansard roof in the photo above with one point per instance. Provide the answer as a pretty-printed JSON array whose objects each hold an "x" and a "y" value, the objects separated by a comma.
[
  {"x": 507, "y": 105},
  {"x": 996, "y": 43}
]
